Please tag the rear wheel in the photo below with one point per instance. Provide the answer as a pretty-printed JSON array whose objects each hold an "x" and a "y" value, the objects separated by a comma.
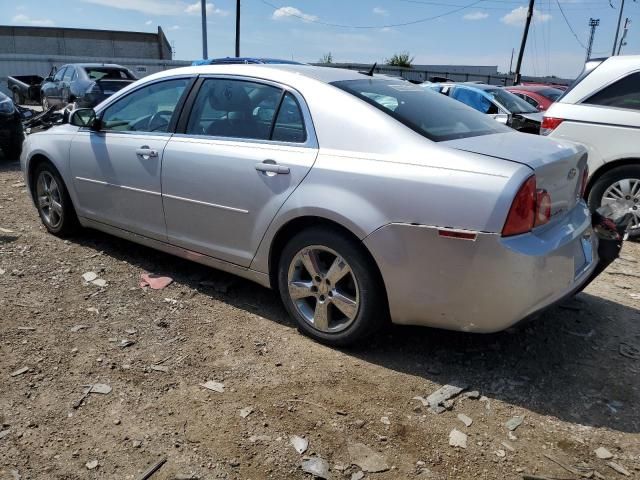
[
  {"x": 45, "y": 104},
  {"x": 330, "y": 287},
  {"x": 53, "y": 202},
  {"x": 622, "y": 187}
]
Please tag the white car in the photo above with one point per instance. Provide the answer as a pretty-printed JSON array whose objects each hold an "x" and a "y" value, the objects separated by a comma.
[{"x": 602, "y": 111}]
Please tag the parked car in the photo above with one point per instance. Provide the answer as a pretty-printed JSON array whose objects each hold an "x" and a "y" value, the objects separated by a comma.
[
  {"x": 601, "y": 110},
  {"x": 25, "y": 88},
  {"x": 86, "y": 84},
  {"x": 539, "y": 97},
  {"x": 11, "y": 133},
  {"x": 501, "y": 105},
  {"x": 244, "y": 60},
  {"x": 350, "y": 204}
]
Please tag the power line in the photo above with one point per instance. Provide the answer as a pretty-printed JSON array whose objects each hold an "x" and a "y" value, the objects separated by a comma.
[{"x": 569, "y": 25}]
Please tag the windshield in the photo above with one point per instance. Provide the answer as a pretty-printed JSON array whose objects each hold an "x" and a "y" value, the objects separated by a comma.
[
  {"x": 105, "y": 73},
  {"x": 511, "y": 102},
  {"x": 551, "y": 93},
  {"x": 432, "y": 115}
]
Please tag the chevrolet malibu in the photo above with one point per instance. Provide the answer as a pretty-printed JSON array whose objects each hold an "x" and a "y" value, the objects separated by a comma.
[{"x": 357, "y": 198}]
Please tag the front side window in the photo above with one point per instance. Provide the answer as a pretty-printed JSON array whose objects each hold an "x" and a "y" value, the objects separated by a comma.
[
  {"x": 624, "y": 93},
  {"x": 69, "y": 74},
  {"x": 509, "y": 101},
  {"x": 246, "y": 110},
  {"x": 148, "y": 109},
  {"x": 474, "y": 99},
  {"x": 436, "y": 117},
  {"x": 59, "y": 74}
]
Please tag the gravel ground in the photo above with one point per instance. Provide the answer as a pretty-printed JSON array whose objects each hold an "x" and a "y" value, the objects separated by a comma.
[{"x": 572, "y": 375}]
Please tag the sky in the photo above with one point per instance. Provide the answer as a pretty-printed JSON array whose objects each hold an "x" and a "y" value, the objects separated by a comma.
[{"x": 470, "y": 32}]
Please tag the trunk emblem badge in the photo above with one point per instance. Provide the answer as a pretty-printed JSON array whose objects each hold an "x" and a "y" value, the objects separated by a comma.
[{"x": 572, "y": 173}]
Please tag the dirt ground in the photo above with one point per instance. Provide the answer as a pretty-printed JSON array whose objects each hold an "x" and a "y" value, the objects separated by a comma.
[{"x": 573, "y": 375}]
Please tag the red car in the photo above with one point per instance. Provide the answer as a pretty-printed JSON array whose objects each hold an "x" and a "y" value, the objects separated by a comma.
[{"x": 540, "y": 96}]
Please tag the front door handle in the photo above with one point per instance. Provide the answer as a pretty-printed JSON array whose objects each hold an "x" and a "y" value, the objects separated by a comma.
[
  {"x": 146, "y": 152},
  {"x": 270, "y": 166}
]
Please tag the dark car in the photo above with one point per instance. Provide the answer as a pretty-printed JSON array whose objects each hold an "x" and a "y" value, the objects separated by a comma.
[
  {"x": 11, "y": 133},
  {"x": 251, "y": 60},
  {"x": 539, "y": 96},
  {"x": 86, "y": 84}
]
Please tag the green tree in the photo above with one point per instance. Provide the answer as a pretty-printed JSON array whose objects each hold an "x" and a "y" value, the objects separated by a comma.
[
  {"x": 400, "y": 60},
  {"x": 327, "y": 58}
]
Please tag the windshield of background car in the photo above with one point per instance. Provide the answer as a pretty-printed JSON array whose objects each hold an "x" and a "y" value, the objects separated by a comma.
[
  {"x": 102, "y": 73},
  {"x": 430, "y": 114},
  {"x": 511, "y": 102}
]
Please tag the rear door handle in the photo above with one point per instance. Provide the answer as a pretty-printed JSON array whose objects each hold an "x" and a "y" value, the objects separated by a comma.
[
  {"x": 146, "y": 152},
  {"x": 270, "y": 166}
]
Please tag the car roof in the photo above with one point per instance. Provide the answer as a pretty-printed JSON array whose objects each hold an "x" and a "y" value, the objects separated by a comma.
[
  {"x": 532, "y": 88},
  {"x": 239, "y": 60},
  {"x": 94, "y": 65},
  {"x": 479, "y": 86}
]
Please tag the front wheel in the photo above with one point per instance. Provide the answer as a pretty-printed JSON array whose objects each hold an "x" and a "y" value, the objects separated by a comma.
[
  {"x": 621, "y": 186},
  {"x": 53, "y": 202},
  {"x": 330, "y": 287}
]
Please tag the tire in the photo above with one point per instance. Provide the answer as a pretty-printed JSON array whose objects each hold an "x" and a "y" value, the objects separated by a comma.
[
  {"x": 45, "y": 103},
  {"x": 357, "y": 290},
  {"x": 60, "y": 220},
  {"x": 611, "y": 178}
]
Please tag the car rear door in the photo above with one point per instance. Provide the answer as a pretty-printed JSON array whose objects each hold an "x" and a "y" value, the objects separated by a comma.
[
  {"x": 241, "y": 148},
  {"x": 52, "y": 90},
  {"x": 65, "y": 84}
]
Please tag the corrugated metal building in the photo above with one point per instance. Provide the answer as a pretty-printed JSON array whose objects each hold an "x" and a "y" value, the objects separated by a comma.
[{"x": 35, "y": 50}]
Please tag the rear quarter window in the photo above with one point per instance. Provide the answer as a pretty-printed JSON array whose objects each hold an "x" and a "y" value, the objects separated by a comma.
[{"x": 625, "y": 93}]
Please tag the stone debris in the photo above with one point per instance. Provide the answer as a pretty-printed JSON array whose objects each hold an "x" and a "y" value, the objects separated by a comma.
[
  {"x": 359, "y": 475},
  {"x": 101, "y": 388},
  {"x": 457, "y": 438},
  {"x": 473, "y": 395},
  {"x": 213, "y": 386},
  {"x": 20, "y": 371},
  {"x": 89, "y": 276},
  {"x": 619, "y": 468},
  {"x": 126, "y": 343},
  {"x": 246, "y": 411},
  {"x": 436, "y": 401},
  {"x": 77, "y": 328},
  {"x": 259, "y": 438},
  {"x": 367, "y": 459},
  {"x": 514, "y": 423},
  {"x": 500, "y": 453},
  {"x": 603, "y": 454},
  {"x": 27, "y": 329},
  {"x": 316, "y": 466},
  {"x": 93, "y": 310},
  {"x": 465, "y": 419},
  {"x": 99, "y": 282},
  {"x": 130, "y": 331},
  {"x": 385, "y": 420},
  {"x": 91, "y": 464},
  {"x": 5, "y": 230},
  {"x": 159, "y": 368},
  {"x": 299, "y": 443},
  {"x": 508, "y": 446},
  {"x": 155, "y": 282},
  {"x": 4, "y": 433}
]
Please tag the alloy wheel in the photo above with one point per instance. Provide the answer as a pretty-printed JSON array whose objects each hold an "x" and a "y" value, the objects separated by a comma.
[
  {"x": 49, "y": 199},
  {"x": 323, "y": 289},
  {"x": 625, "y": 194}
]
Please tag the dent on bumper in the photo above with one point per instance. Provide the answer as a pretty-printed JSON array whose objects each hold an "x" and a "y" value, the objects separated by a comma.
[{"x": 485, "y": 285}]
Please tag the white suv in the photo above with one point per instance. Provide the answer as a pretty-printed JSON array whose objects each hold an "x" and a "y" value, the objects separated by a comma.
[{"x": 601, "y": 110}]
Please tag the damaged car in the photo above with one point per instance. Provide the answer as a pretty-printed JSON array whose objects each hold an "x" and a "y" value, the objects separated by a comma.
[
  {"x": 359, "y": 199},
  {"x": 11, "y": 132}
]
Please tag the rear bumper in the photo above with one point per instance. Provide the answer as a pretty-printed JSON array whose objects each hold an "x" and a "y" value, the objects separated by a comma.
[{"x": 485, "y": 285}]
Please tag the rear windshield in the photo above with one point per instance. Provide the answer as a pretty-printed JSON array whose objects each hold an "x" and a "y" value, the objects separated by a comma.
[
  {"x": 511, "y": 102},
  {"x": 432, "y": 115},
  {"x": 104, "y": 73},
  {"x": 551, "y": 93}
]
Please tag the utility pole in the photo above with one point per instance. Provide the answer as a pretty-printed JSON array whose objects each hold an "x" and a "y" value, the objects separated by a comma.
[
  {"x": 237, "y": 28},
  {"x": 627, "y": 22},
  {"x": 615, "y": 40},
  {"x": 518, "y": 76},
  {"x": 203, "y": 4},
  {"x": 593, "y": 23},
  {"x": 511, "y": 61}
]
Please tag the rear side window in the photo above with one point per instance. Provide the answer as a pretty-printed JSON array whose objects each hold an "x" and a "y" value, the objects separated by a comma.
[
  {"x": 289, "y": 126},
  {"x": 624, "y": 93}
]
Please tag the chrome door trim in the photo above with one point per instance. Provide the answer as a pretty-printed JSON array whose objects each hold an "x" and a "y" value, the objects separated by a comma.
[
  {"x": 114, "y": 185},
  {"x": 206, "y": 204}
]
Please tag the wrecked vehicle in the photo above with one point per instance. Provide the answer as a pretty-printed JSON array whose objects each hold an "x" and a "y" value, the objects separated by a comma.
[
  {"x": 85, "y": 84},
  {"x": 358, "y": 198},
  {"x": 11, "y": 132},
  {"x": 25, "y": 88}
]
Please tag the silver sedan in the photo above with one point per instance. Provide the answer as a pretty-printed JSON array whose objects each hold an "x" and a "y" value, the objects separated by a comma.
[{"x": 359, "y": 199}]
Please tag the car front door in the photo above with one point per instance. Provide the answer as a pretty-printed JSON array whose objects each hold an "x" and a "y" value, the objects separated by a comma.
[
  {"x": 238, "y": 153},
  {"x": 116, "y": 170},
  {"x": 65, "y": 84}
]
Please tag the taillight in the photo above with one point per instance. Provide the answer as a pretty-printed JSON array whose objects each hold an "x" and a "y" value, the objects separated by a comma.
[
  {"x": 543, "y": 207},
  {"x": 549, "y": 124},
  {"x": 522, "y": 213},
  {"x": 585, "y": 181}
]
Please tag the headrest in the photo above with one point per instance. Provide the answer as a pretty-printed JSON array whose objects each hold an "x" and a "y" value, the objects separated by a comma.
[{"x": 229, "y": 97}]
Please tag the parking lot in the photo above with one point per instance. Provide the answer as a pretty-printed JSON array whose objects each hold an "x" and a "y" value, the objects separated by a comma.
[{"x": 572, "y": 375}]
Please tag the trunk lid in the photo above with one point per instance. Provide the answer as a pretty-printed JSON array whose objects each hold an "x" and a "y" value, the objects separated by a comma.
[
  {"x": 109, "y": 87},
  {"x": 558, "y": 165}
]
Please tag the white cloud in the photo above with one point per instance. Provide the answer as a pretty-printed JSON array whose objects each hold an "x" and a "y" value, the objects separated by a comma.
[
  {"x": 24, "y": 19},
  {"x": 150, "y": 7},
  {"x": 517, "y": 16},
  {"x": 380, "y": 11},
  {"x": 196, "y": 9},
  {"x": 149, "y": 22},
  {"x": 286, "y": 12},
  {"x": 476, "y": 16},
  {"x": 174, "y": 27}
]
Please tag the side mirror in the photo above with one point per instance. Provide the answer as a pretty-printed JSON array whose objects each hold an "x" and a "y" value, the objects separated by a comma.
[
  {"x": 84, "y": 117},
  {"x": 501, "y": 118}
]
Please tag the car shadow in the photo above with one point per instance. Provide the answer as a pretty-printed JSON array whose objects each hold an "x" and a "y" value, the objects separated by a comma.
[
  {"x": 566, "y": 364},
  {"x": 7, "y": 165}
]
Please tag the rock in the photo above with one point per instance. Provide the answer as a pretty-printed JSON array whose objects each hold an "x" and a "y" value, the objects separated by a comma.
[
  {"x": 508, "y": 446},
  {"x": 77, "y": 328},
  {"x": 213, "y": 386},
  {"x": 511, "y": 436},
  {"x": 89, "y": 276},
  {"x": 603, "y": 453},
  {"x": 316, "y": 466},
  {"x": 367, "y": 459},
  {"x": 136, "y": 444},
  {"x": 457, "y": 438},
  {"x": 385, "y": 420},
  {"x": 126, "y": 343},
  {"x": 246, "y": 411},
  {"x": 159, "y": 368},
  {"x": 130, "y": 331},
  {"x": 619, "y": 468},
  {"x": 100, "y": 388},
  {"x": 357, "y": 475},
  {"x": 20, "y": 371},
  {"x": 4, "y": 433},
  {"x": 99, "y": 282},
  {"x": 500, "y": 453},
  {"x": 259, "y": 438},
  {"x": 91, "y": 464},
  {"x": 465, "y": 419},
  {"x": 474, "y": 395},
  {"x": 436, "y": 400},
  {"x": 155, "y": 282},
  {"x": 514, "y": 423},
  {"x": 299, "y": 443}
]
